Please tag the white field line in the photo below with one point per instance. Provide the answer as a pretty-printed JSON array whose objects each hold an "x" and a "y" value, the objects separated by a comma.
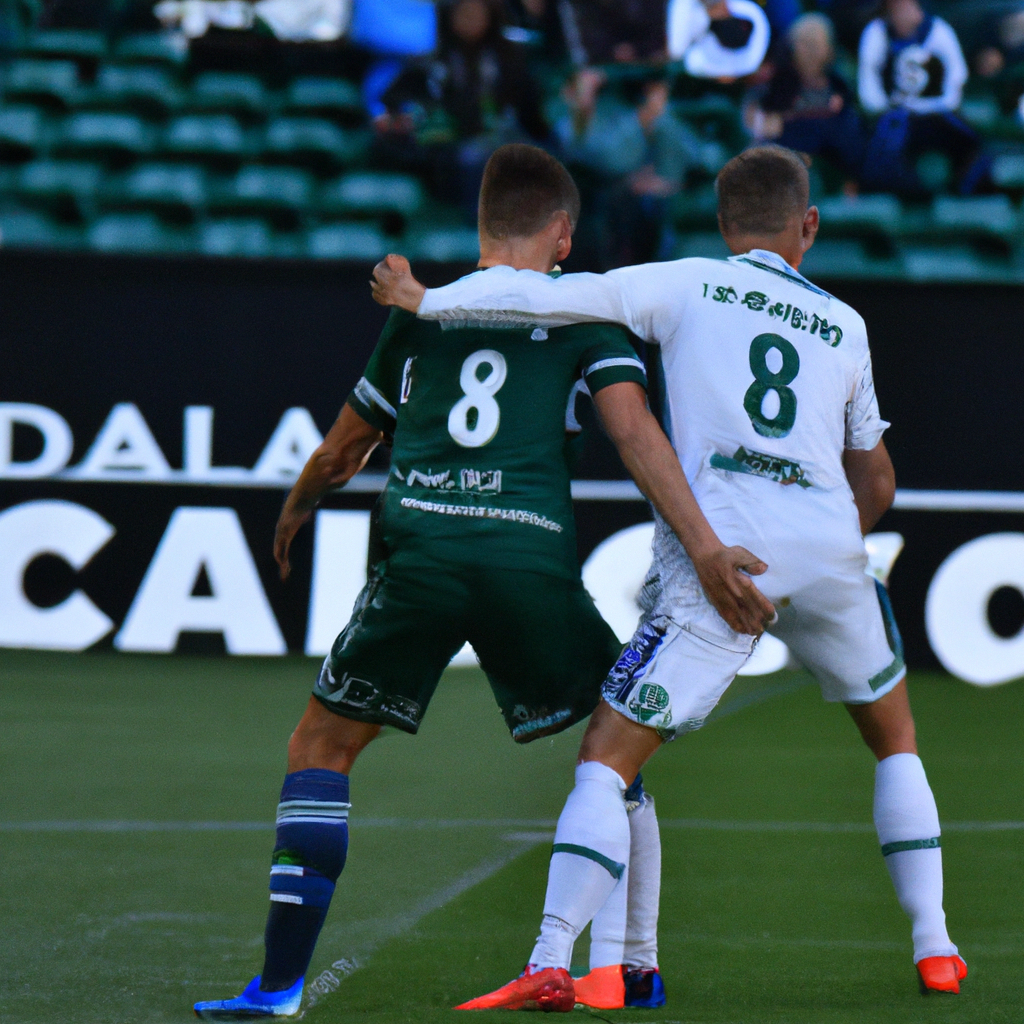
[
  {"x": 534, "y": 829},
  {"x": 327, "y": 981},
  {"x": 582, "y": 490}
]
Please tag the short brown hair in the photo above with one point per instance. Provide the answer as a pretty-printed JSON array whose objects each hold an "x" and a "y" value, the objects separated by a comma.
[
  {"x": 523, "y": 188},
  {"x": 760, "y": 190}
]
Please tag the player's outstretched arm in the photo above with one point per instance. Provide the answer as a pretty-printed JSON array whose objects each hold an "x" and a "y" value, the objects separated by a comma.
[
  {"x": 506, "y": 297},
  {"x": 724, "y": 572},
  {"x": 343, "y": 453},
  {"x": 873, "y": 482}
]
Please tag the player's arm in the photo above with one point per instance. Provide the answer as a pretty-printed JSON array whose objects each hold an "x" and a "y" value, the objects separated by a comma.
[
  {"x": 724, "y": 572},
  {"x": 342, "y": 454},
  {"x": 873, "y": 482},
  {"x": 503, "y": 296}
]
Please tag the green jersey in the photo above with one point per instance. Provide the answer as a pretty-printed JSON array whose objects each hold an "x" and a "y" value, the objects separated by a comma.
[{"x": 478, "y": 469}]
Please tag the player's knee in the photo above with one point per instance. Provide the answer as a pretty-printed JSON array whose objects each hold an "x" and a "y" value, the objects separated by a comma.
[{"x": 329, "y": 744}]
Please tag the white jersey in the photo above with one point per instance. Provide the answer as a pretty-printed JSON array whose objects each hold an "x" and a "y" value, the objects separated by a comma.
[{"x": 767, "y": 379}]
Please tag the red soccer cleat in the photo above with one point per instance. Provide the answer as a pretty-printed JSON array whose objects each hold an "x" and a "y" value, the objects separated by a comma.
[
  {"x": 550, "y": 989},
  {"x": 602, "y": 989},
  {"x": 941, "y": 974}
]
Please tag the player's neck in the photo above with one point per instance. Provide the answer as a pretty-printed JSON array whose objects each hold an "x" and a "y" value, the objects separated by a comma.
[
  {"x": 518, "y": 253},
  {"x": 789, "y": 249}
]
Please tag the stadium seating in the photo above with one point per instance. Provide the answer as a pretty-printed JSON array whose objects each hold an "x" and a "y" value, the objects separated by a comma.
[
  {"x": 20, "y": 133},
  {"x": 280, "y": 194},
  {"x": 216, "y": 139},
  {"x": 108, "y": 141},
  {"x": 114, "y": 137},
  {"x": 51, "y": 84},
  {"x": 176, "y": 192},
  {"x": 147, "y": 91},
  {"x": 66, "y": 189}
]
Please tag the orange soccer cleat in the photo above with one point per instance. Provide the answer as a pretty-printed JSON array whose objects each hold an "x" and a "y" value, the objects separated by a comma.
[
  {"x": 550, "y": 989},
  {"x": 602, "y": 989},
  {"x": 941, "y": 974}
]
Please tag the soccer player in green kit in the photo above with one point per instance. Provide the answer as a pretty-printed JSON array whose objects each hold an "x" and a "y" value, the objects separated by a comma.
[{"x": 478, "y": 544}]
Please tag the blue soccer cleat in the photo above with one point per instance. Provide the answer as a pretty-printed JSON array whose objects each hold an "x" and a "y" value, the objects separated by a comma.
[
  {"x": 253, "y": 1004},
  {"x": 644, "y": 988}
]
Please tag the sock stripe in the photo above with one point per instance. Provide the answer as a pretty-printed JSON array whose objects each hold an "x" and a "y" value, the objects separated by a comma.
[
  {"x": 912, "y": 844},
  {"x": 613, "y": 867}
]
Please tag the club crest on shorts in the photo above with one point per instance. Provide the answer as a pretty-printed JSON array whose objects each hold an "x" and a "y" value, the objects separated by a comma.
[{"x": 650, "y": 705}]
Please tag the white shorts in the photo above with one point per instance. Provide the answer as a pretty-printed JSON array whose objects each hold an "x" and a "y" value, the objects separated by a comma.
[{"x": 683, "y": 657}]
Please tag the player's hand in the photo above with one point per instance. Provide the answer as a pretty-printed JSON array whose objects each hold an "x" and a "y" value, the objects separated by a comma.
[
  {"x": 288, "y": 525},
  {"x": 725, "y": 576},
  {"x": 394, "y": 285}
]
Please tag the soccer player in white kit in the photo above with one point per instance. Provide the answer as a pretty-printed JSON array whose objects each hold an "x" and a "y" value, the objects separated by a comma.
[{"x": 770, "y": 405}]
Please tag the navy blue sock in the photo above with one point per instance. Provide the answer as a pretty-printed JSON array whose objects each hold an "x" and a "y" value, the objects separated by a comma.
[{"x": 312, "y": 841}]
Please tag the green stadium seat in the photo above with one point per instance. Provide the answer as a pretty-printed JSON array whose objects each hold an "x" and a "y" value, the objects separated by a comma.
[
  {"x": 875, "y": 212},
  {"x": 47, "y": 83},
  {"x": 29, "y": 229},
  {"x": 979, "y": 215},
  {"x": 333, "y": 98},
  {"x": 175, "y": 191},
  {"x": 1008, "y": 170},
  {"x": 148, "y": 91},
  {"x": 372, "y": 194},
  {"x": 213, "y": 138},
  {"x": 348, "y": 242},
  {"x": 444, "y": 245},
  {"x": 73, "y": 44},
  {"x": 311, "y": 142},
  {"x": 170, "y": 49},
  {"x": 846, "y": 257},
  {"x": 950, "y": 263},
  {"x": 116, "y": 137},
  {"x": 236, "y": 238},
  {"x": 229, "y": 92},
  {"x": 980, "y": 111},
  {"x": 67, "y": 189},
  {"x": 877, "y": 220},
  {"x": 281, "y": 194},
  {"x": 21, "y": 131},
  {"x": 135, "y": 233}
]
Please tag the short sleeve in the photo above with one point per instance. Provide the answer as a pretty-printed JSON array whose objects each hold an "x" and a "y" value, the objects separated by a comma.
[
  {"x": 864, "y": 424},
  {"x": 376, "y": 396},
  {"x": 610, "y": 359}
]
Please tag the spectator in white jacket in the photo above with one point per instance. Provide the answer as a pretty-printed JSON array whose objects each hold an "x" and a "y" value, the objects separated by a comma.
[{"x": 912, "y": 72}]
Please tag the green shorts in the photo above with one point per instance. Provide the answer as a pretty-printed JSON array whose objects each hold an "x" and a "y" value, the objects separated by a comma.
[{"x": 541, "y": 641}]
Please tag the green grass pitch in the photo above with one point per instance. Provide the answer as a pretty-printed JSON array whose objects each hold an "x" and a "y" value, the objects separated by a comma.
[{"x": 135, "y": 838}]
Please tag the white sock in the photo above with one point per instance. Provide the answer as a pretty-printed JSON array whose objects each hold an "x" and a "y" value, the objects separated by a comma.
[
  {"x": 641, "y": 945},
  {"x": 625, "y": 929},
  {"x": 590, "y": 855},
  {"x": 907, "y": 823}
]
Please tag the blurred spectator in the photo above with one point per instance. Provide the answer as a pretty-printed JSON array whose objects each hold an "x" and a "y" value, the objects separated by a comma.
[
  {"x": 455, "y": 108},
  {"x": 807, "y": 106},
  {"x": 723, "y": 39},
  {"x": 634, "y": 153},
  {"x": 606, "y": 31},
  {"x": 911, "y": 71}
]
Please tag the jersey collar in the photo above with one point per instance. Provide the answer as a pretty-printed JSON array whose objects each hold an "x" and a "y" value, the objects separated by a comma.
[{"x": 772, "y": 261}]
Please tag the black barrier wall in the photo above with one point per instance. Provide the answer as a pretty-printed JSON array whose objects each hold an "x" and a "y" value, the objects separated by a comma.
[{"x": 174, "y": 401}]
